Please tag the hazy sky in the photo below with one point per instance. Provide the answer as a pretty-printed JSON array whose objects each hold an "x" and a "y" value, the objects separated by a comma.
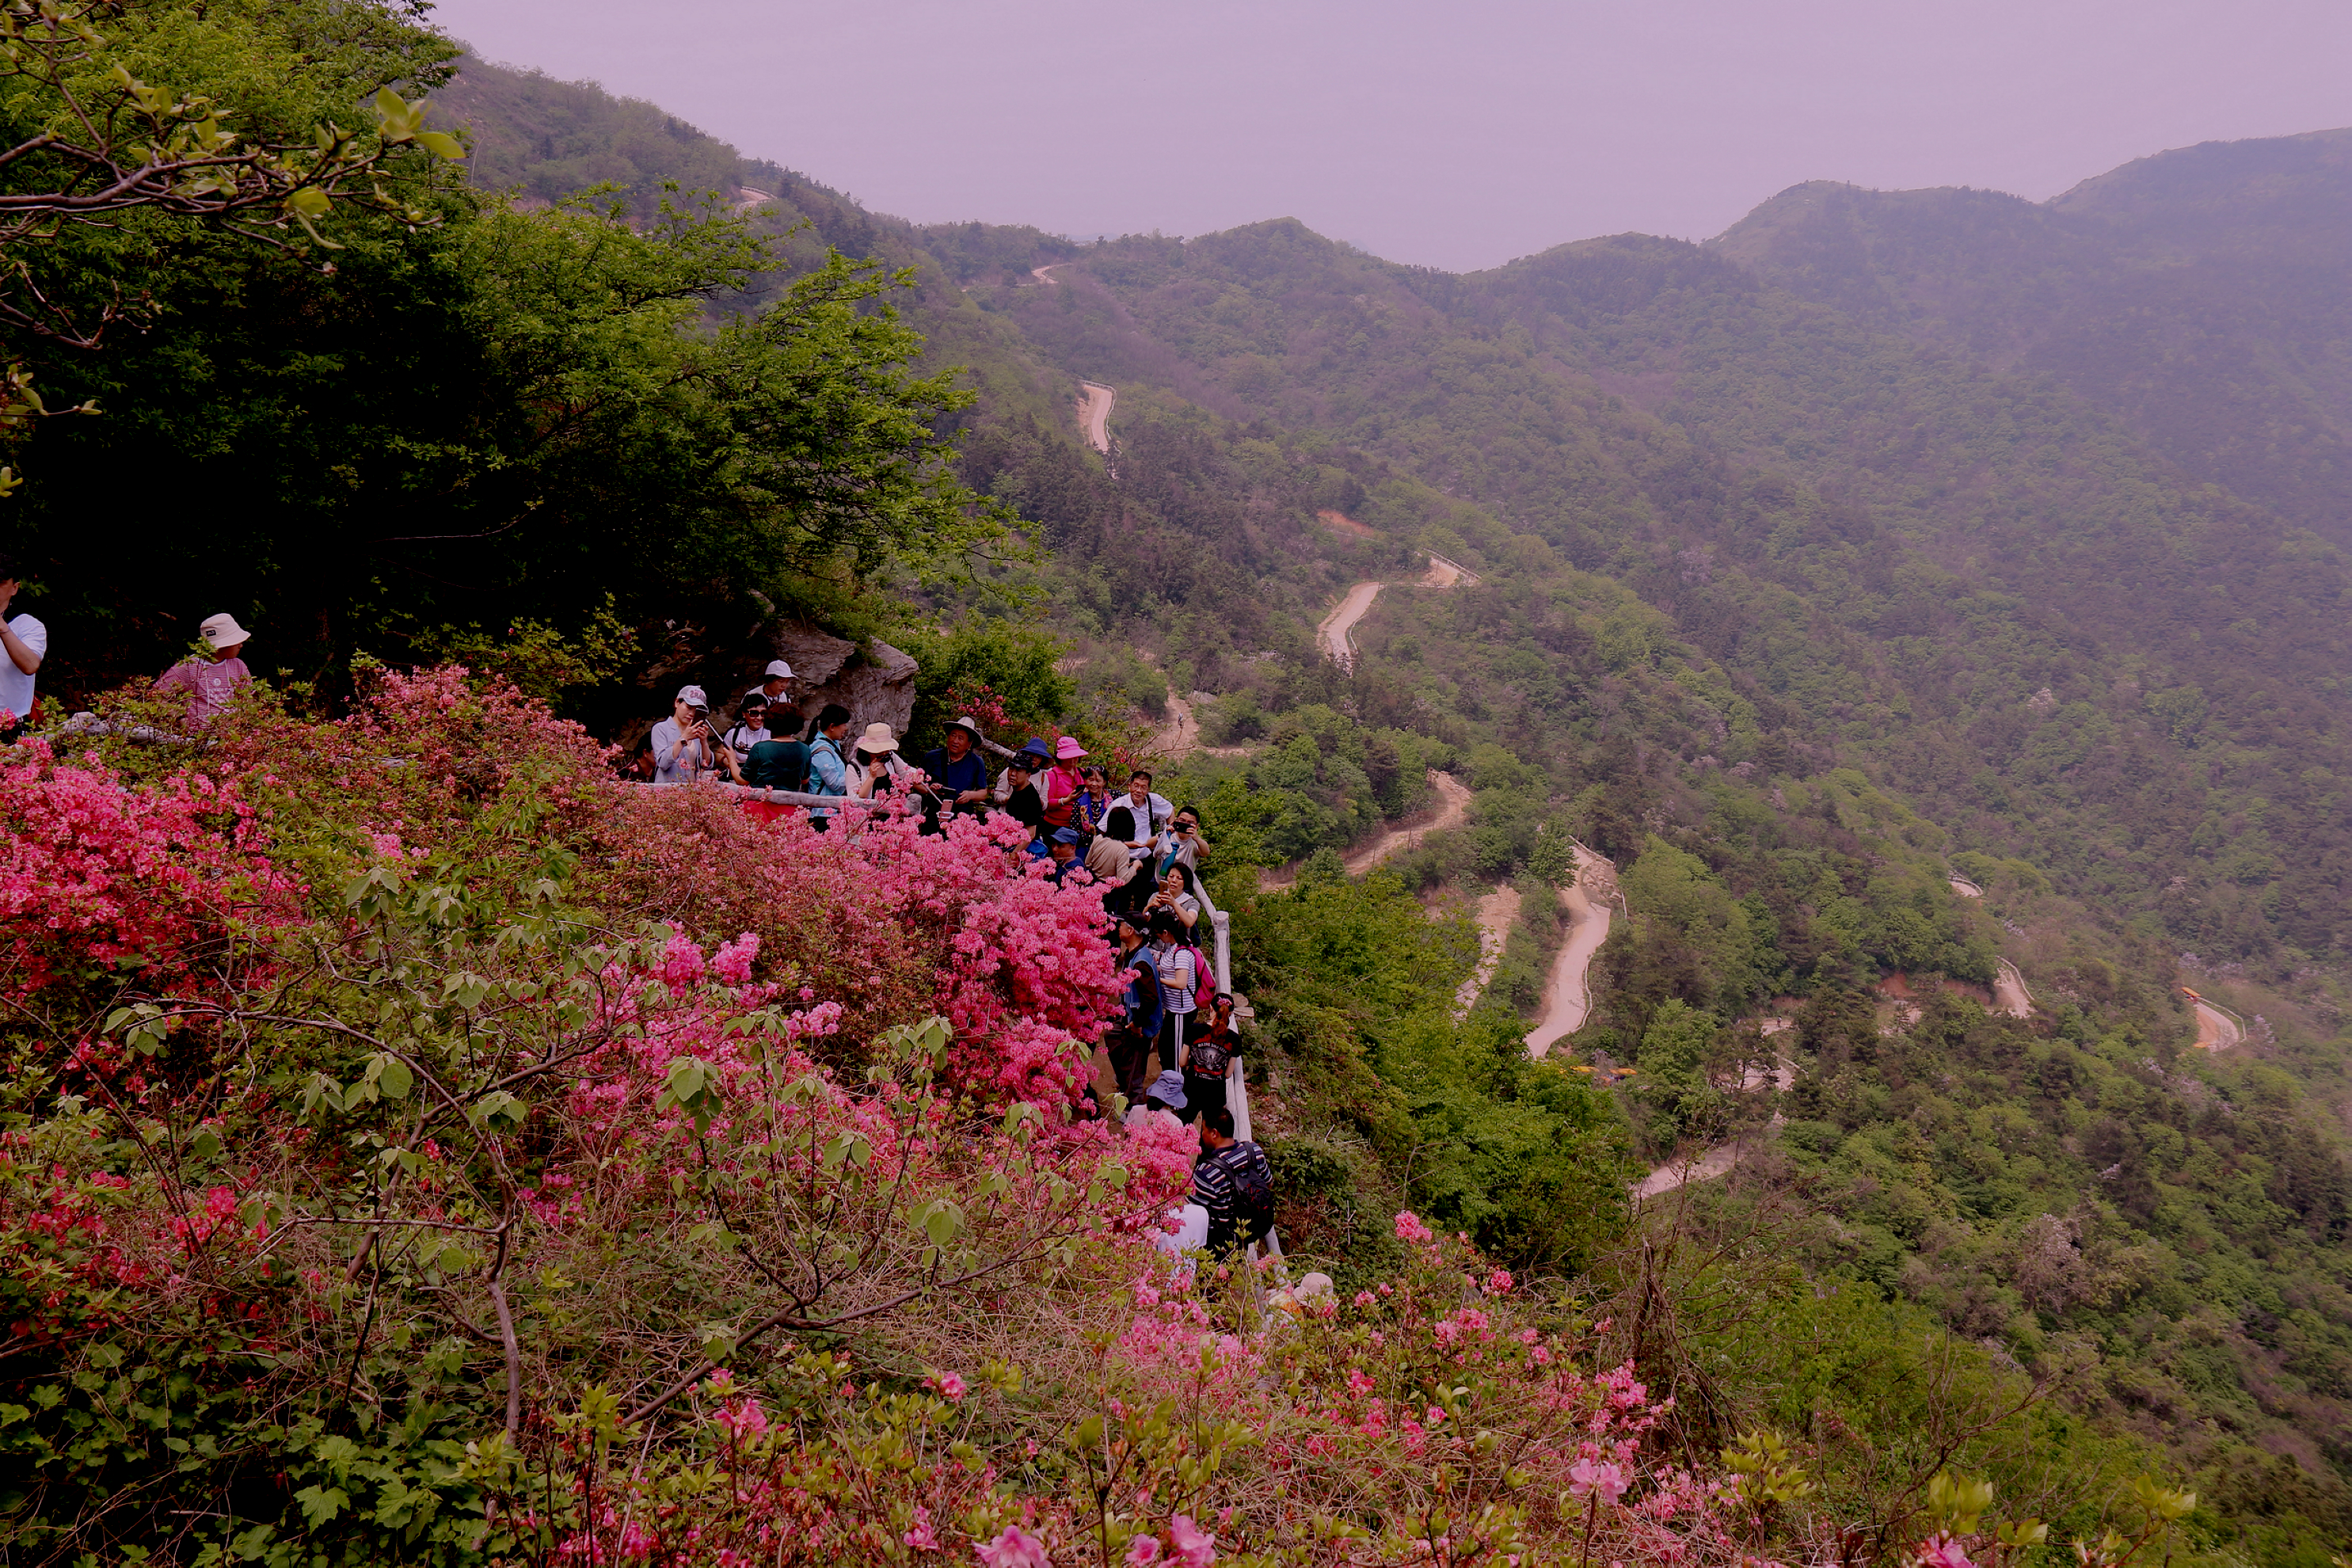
[{"x": 1457, "y": 134}]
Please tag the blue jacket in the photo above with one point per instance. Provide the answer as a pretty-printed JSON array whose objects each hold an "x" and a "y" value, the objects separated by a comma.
[{"x": 1147, "y": 1010}]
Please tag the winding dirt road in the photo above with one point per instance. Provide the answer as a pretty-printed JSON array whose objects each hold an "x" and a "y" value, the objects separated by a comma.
[
  {"x": 1094, "y": 414},
  {"x": 1568, "y": 997},
  {"x": 1331, "y": 636},
  {"x": 1452, "y": 806},
  {"x": 2216, "y": 1030},
  {"x": 2009, "y": 992}
]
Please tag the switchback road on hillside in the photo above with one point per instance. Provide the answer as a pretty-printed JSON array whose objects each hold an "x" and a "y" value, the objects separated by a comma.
[
  {"x": 1094, "y": 414},
  {"x": 1567, "y": 998},
  {"x": 1452, "y": 806},
  {"x": 1331, "y": 636},
  {"x": 2216, "y": 1030}
]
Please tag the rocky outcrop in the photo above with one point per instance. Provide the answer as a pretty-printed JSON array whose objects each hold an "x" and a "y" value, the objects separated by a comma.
[{"x": 877, "y": 681}]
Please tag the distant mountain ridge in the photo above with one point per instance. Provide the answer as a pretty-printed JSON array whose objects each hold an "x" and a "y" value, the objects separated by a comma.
[{"x": 2202, "y": 296}]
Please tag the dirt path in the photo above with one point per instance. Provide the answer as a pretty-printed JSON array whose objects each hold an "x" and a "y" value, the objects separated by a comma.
[
  {"x": 1453, "y": 805},
  {"x": 1965, "y": 888},
  {"x": 2009, "y": 992},
  {"x": 1703, "y": 1167},
  {"x": 1568, "y": 997},
  {"x": 1331, "y": 636},
  {"x": 1093, "y": 416},
  {"x": 2216, "y": 1030},
  {"x": 1497, "y": 911},
  {"x": 1180, "y": 736}
]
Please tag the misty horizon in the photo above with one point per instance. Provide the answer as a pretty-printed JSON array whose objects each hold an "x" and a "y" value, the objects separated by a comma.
[{"x": 1504, "y": 130}]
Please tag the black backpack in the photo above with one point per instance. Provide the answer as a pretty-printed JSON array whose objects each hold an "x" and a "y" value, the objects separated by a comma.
[{"x": 1253, "y": 1189}]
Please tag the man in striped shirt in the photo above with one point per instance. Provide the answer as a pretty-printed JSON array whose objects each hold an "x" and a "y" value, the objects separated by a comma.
[{"x": 1232, "y": 1181}]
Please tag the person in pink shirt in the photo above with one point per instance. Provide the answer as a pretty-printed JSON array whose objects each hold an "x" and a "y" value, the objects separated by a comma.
[
  {"x": 211, "y": 682},
  {"x": 1062, "y": 782}
]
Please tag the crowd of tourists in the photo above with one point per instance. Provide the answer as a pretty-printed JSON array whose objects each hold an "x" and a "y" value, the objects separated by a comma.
[{"x": 1175, "y": 1040}]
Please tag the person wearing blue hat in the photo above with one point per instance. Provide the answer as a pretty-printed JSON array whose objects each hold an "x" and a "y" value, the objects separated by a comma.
[
  {"x": 1166, "y": 1093},
  {"x": 1063, "y": 846}
]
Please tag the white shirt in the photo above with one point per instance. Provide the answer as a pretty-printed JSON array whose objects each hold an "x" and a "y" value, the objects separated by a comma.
[
  {"x": 1158, "y": 809},
  {"x": 740, "y": 739},
  {"x": 16, "y": 686}
]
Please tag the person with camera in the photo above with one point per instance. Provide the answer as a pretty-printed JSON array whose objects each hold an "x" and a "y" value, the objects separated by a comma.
[
  {"x": 685, "y": 748},
  {"x": 875, "y": 769}
]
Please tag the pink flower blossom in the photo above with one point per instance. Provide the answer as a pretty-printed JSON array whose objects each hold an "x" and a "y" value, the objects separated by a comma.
[
  {"x": 1359, "y": 1385},
  {"x": 1588, "y": 1476},
  {"x": 1143, "y": 1550},
  {"x": 1014, "y": 1548},
  {"x": 1194, "y": 1548},
  {"x": 1498, "y": 1282},
  {"x": 1942, "y": 1551},
  {"x": 1409, "y": 1228},
  {"x": 920, "y": 1538},
  {"x": 948, "y": 1384}
]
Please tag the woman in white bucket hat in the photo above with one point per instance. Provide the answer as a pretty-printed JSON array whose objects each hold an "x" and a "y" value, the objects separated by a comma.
[{"x": 212, "y": 678}]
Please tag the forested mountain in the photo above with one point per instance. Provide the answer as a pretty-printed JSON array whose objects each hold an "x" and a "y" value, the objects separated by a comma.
[
  {"x": 1913, "y": 595},
  {"x": 2203, "y": 297}
]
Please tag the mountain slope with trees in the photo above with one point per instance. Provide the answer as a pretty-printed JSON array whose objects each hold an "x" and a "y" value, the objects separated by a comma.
[{"x": 552, "y": 1117}]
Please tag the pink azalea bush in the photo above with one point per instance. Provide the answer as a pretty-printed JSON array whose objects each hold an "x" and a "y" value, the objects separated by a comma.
[{"x": 134, "y": 883}]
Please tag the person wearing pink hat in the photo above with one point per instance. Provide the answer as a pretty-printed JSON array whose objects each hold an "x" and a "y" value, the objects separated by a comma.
[{"x": 1062, "y": 782}]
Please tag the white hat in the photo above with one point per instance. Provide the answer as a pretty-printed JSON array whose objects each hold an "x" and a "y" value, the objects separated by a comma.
[
  {"x": 777, "y": 667},
  {"x": 692, "y": 697},
  {"x": 878, "y": 739},
  {"x": 222, "y": 631}
]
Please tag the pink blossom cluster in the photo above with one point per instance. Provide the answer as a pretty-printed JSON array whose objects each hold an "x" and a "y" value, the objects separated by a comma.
[{"x": 143, "y": 881}]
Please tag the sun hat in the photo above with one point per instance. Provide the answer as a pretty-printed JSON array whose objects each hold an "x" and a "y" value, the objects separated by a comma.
[
  {"x": 1034, "y": 747},
  {"x": 777, "y": 666},
  {"x": 878, "y": 738},
  {"x": 1167, "y": 1088},
  {"x": 222, "y": 631},
  {"x": 1067, "y": 750},
  {"x": 965, "y": 723},
  {"x": 692, "y": 697}
]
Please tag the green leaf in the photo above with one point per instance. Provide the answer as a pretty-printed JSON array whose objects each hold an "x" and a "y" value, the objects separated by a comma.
[
  {"x": 441, "y": 144},
  {"x": 320, "y": 1504}
]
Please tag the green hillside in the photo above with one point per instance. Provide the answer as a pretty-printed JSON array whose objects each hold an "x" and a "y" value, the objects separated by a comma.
[
  {"x": 2203, "y": 297},
  {"x": 1840, "y": 497},
  {"x": 1904, "y": 591}
]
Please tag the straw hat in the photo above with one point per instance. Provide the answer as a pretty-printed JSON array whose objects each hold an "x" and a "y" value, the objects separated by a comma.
[
  {"x": 968, "y": 725},
  {"x": 878, "y": 739}
]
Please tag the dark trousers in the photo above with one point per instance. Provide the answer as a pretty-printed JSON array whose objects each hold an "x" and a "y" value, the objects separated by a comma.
[
  {"x": 1202, "y": 1095},
  {"x": 1130, "y": 1055}
]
